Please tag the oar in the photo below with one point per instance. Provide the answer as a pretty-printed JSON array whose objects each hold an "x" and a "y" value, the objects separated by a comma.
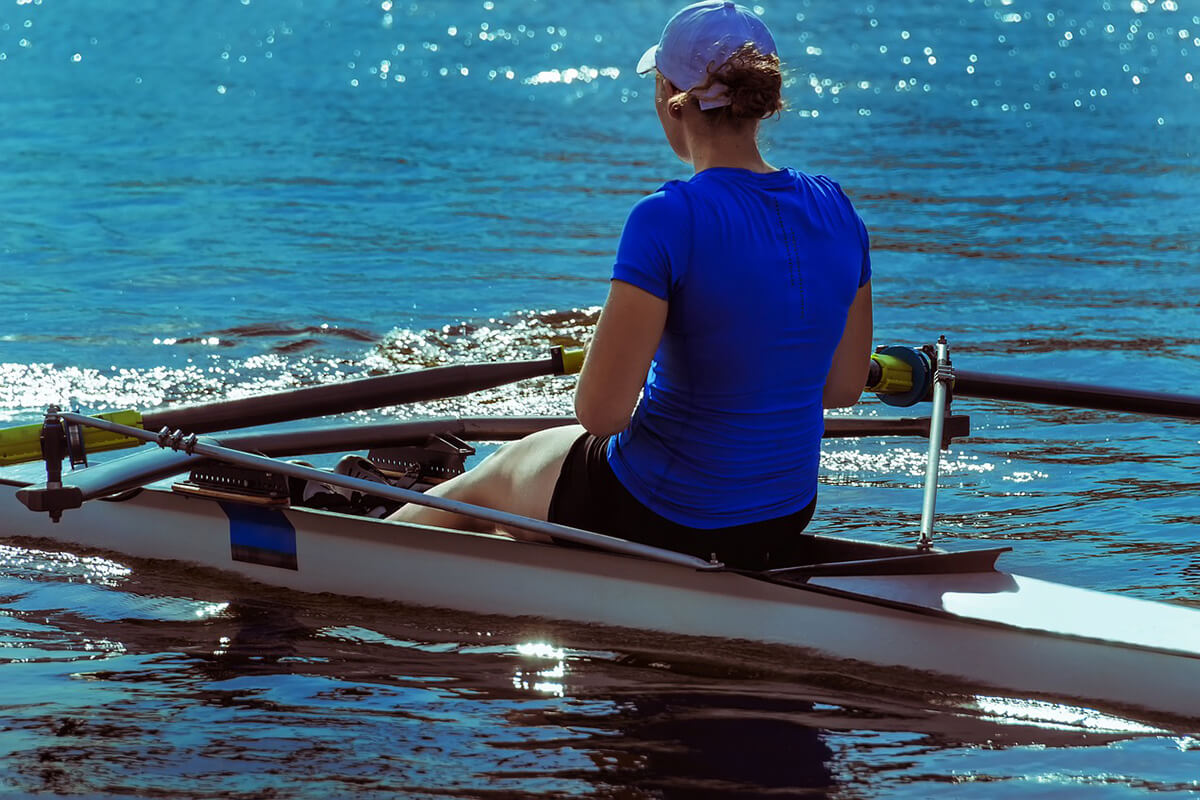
[
  {"x": 18, "y": 445},
  {"x": 902, "y": 376},
  {"x": 1077, "y": 395}
]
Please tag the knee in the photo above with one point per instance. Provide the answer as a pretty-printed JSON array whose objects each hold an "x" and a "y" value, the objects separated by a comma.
[{"x": 521, "y": 475}]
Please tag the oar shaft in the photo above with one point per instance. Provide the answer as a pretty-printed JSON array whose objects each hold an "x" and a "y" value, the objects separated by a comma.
[
  {"x": 326, "y": 438},
  {"x": 340, "y": 398},
  {"x": 1062, "y": 393}
]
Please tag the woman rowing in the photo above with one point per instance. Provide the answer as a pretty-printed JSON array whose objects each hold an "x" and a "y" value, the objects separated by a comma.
[{"x": 740, "y": 308}]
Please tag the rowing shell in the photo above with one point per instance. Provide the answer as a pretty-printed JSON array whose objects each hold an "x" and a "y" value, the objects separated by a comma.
[{"x": 970, "y": 622}]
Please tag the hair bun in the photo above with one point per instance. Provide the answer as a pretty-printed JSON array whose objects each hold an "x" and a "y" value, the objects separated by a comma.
[{"x": 754, "y": 84}]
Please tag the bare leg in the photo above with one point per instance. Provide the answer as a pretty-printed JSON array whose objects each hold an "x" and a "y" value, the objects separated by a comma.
[{"x": 518, "y": 478}]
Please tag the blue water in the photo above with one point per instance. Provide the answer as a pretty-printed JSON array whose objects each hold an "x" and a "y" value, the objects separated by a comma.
[{"x": 212, "y": 200}]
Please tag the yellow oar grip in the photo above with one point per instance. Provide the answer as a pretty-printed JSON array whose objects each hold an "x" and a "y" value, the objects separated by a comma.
[
  {"x": 22, "y": 444},
  {"x": 572, "y": 360},
  {"x": 895, "y": 375}
]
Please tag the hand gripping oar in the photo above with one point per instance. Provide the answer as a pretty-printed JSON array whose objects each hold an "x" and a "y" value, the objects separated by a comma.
[
  {"x": 18, "y": 445},
  {"x": 902, "y": 376},
  {"x": 57, "y": 499}
]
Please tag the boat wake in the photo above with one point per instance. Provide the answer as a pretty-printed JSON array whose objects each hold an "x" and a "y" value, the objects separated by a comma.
[{"x": 257, "y": 359}]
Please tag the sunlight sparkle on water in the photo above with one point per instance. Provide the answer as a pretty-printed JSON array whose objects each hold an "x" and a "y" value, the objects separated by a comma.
[
  {"x": 1017, "y": 711},
  {"x": 896, "y": 461},
  {"x": 540, "y": 650},
  {"x": 545, "y": 680},
  {"x": 584, "y": 74},
  {"x": 84, "y": 569},
  {"x": 210, "y": 610}
]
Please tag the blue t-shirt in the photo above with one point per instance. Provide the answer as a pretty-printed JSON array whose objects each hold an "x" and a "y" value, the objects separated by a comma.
[{"x": 759, "y": 271}]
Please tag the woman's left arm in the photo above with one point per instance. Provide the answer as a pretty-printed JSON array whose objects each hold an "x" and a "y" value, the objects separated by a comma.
[
  {"x": 627, "y": 336},
  {"x": 852, "y": 358}
]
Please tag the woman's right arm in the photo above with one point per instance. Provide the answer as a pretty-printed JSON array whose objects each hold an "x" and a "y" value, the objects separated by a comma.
[
  {"x": 618, "y": 358},
  {"x": 655, "y": 237},
  {"x": 848, "y": 374}
]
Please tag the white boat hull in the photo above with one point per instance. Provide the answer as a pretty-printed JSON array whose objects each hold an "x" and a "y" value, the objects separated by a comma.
[{"x": 985, "y": 628}]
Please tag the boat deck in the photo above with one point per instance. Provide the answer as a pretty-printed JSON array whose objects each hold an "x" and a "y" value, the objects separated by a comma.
[{"x": 1018, "y": 601}]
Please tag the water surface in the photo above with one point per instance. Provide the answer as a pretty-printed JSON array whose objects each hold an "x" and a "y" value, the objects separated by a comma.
[{"x": 220, "y": 200}]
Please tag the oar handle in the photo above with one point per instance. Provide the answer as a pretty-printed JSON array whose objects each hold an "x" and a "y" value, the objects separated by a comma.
[{"x": 567, "y": 360}]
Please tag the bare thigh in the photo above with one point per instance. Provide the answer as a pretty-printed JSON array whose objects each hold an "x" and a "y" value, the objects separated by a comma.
[{"x": 518, "y": 478}]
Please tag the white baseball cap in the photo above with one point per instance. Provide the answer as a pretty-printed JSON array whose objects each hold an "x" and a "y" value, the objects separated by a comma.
[{"x": 703, "y": 36}]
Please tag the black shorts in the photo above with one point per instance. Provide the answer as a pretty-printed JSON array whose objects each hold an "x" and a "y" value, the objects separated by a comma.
[{"x": 589, "y": 496}]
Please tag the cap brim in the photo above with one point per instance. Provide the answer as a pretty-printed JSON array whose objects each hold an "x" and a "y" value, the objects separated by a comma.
[{"x": 647, "y": 61}]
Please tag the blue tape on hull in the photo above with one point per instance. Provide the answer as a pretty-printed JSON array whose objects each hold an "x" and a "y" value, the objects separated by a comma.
[{"x": 261, "y": 536}]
